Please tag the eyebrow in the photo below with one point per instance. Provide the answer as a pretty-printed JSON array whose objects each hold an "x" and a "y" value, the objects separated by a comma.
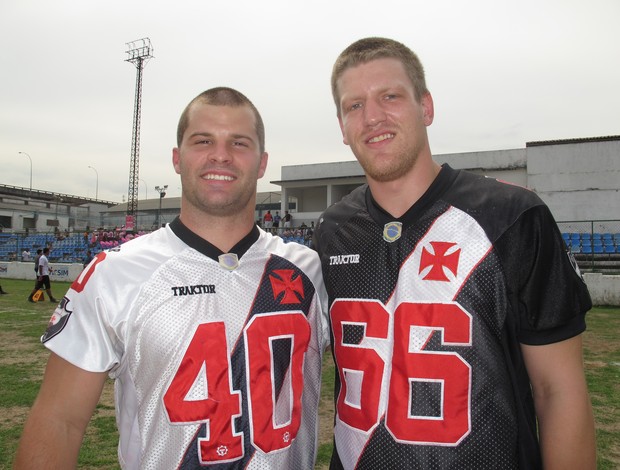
[{"x": 209, "y": 134}]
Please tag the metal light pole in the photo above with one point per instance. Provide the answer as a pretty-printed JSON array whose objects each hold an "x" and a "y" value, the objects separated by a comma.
[
  {"x": 146, "y": 189},
  {"x": 24, "y": 153},
  {"x": 138, "y": 53},
  {"x": 162, "y": 193},
  {"x": 97, "y": 184}
]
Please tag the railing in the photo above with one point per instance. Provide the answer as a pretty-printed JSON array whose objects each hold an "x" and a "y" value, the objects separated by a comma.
[
  {"x": 595, "y": 244},
  {"x": 66, "y": 247}
]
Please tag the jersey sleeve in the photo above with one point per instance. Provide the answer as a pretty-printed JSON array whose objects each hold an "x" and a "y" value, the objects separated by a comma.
[
  {"x": 545, "y": 286},
  {"x": 81, "y": 329}
]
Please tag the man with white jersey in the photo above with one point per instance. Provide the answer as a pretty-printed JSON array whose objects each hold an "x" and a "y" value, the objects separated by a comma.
[
  {"x": 456, "y": 311},
  {"x": 212, "y": 329}
]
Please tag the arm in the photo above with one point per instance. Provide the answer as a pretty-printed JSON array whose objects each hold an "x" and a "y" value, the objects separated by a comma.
[
  {"x": 563, "y": 408},
  {"x": 55, "y": 427}
]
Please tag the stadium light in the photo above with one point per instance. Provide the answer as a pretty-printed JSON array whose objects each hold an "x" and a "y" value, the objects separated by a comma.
[
  {"x": 162, "y": 193},
  {"x": 146, "y": 188},
  {"x": 97, "y": 183},
  {"x": 24, "y": 153}
]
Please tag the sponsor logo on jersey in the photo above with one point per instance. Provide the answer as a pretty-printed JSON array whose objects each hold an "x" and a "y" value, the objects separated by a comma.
[
  {"x": 442, "y": 258},
  {"x": 344, "y": 259},
  {"x": 573, "y": 263},
  {"x": 57, "y": 322},
  {"x": 229, "y": 261},
  {"x": 392, "y": 231},
  {"x": 193, "y": 290},
  {"x": 289, "y": 283}
]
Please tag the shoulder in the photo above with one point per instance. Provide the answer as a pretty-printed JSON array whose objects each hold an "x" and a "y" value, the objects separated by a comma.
[
  {"x": 301, "y": 256},
  {"x": 494, "y": 204},
  {"x": 139, "y": 257},
  {"x": 337, "y": 214}
]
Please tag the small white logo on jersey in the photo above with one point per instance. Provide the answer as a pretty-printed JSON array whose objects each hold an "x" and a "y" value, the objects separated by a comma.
[
  {"x": 222, "y": 451},
  {"x": 229, "y": 261},
  {"x": 574, "y": 264},
  {"x": 392, "y": 231},
  {"x": 344, "y": 259}
]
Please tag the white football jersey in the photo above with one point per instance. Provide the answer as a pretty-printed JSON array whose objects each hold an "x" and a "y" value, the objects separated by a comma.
[{"x": 216, "y": 357}]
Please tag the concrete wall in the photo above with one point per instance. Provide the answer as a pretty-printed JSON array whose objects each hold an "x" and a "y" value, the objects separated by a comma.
[
  {"x": 578, "y": 181},
  {"x": 604, "y": 289},
  {"x": 60, "y": 271}
]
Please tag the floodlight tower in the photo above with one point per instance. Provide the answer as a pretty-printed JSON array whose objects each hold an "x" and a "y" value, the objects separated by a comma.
[{"x": 138, "y": 53}]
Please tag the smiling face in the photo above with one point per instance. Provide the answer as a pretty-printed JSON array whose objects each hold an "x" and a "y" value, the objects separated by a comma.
[
  {"x": 219, "y": 161},
  {"x": 381, "y": 120}
]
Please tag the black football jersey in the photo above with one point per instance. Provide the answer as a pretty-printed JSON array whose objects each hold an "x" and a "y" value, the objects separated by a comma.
[{"x": 427, "y": 315}]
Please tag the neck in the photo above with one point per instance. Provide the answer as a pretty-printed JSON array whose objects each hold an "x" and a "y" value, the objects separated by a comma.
[
  {"x": 397, "y": 196},
  {"x": 224, "y": 232}
]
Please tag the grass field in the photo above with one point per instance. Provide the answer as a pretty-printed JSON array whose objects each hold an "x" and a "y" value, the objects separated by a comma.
[{"x": 22, "y": 359}]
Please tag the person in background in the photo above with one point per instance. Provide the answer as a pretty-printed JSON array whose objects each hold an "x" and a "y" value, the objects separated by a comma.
[
  {"x": 43, "y": 278},
  {"x": 212, "y": 328},
  {"x": 268, "y": 220},
  {"x": 88, "y": 258},
  {"x": 276, "y": 221},
  {"x": 36, "y": 261},
  {"x": 456, "y": 311},
  {"x": 288, "y": 218}
]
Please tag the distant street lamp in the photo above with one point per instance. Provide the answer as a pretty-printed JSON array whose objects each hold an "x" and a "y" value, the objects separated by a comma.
[
  {"x": 24, "y": 153},
  {"x": 97, "y": 184},
  {"x": 146, "y": 189},
  {"x": 162, "y": 193}
]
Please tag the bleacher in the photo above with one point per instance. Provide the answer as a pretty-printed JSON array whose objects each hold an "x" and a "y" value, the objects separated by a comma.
[
  {"x": 71, "y": 249},
  {"x": 595, "y": 251}
]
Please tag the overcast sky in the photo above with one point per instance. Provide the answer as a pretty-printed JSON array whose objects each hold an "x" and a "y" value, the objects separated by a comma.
[{"x": 502, "y": 73}]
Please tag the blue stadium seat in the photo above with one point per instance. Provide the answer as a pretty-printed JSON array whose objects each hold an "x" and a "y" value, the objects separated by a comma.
[
  {"x": 598, "y": 249},
  {"x": 587, "y": 249},
  {"x": 610, "y": 248},
  {"x": 597, "y": 242}
]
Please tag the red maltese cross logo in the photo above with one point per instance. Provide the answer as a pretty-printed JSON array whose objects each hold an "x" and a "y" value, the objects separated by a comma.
[
  {"x": 282, "y": 281},
  {"x": 439, "y": 261}
]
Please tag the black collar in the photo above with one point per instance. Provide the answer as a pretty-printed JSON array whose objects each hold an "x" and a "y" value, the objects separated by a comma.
[
  {"x": 439, "y": 185},
  {"x": 203, "y": 246}
]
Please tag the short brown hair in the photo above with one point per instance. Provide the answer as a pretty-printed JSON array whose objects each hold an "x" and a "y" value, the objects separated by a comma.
[
  {"x": 222, "y": 96},
  {"x": 373, "y": 48}
]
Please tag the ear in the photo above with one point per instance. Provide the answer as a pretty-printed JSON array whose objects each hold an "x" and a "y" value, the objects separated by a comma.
[
  {"x": 344, "y": 137},
  {"x": 428, "y": 109},
  {"x": 262, "y": 166},
  {"x": 176, "y": 158}
]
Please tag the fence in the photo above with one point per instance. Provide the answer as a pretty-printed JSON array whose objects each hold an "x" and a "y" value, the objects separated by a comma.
[
  {"x": 595, "y": 244},
  {"x": 67, "y": 247}
]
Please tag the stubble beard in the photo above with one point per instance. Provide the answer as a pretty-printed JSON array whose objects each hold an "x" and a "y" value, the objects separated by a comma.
[
  {"x": 385, "y": 170},
  {"x": 222, "y": 205}
]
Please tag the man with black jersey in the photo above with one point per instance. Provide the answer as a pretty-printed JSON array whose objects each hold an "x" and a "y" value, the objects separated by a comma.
[
  {"x": 456, "y": 313},
  {"x": 212, "y": 328}
]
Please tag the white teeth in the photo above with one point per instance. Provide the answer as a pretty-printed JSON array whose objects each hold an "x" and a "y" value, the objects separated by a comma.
[
  {"x": 218, "y": 177},
  {"x": 381, "y": 138}
]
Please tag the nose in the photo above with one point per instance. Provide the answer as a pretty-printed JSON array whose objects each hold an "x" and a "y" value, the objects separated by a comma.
[
  {"x": 373, "y": 113},
  {"x": 220, "y": 153}
]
